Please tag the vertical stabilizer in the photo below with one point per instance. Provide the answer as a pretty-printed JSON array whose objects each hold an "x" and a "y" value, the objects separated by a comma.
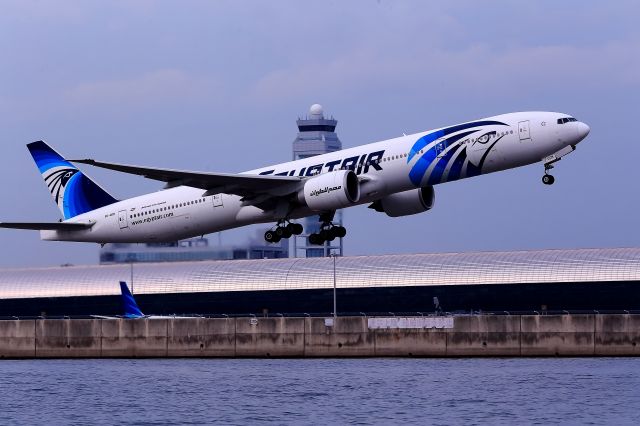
[
  {"x": 72, "y": 190},
  {"x": 129, "y": 305}
]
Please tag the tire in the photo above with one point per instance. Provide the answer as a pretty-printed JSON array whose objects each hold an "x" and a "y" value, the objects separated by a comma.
[
  {"x": 325, "y": 235},
  {"x": 297, "y": 228},
  {"x": 340, "y": 231},
  {"x": 279, "y": 231},
  {"x": 548, "y": 179},
  {"x": 286, "y": 233},
  {"x": 269, "y": 236},
  {"x": 315, "y": 239}
]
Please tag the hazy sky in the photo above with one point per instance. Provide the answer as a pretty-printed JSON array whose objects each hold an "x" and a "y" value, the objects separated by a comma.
[{"x": 217, "y": 86}]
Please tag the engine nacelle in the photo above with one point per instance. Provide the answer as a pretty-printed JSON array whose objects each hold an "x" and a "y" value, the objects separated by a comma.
[
  {"x": 406, "y": 203},
  {"x": 330, "y": 191}
]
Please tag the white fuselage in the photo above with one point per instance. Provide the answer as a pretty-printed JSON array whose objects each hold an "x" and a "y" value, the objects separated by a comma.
[{"x": 383, "y": 168}]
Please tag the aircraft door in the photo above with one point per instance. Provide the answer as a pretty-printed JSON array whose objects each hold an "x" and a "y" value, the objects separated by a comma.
[
  {"x": 122, "y": 219},
  {"x": 523, "y": 130},
  {"x": 217, "y": 200}
]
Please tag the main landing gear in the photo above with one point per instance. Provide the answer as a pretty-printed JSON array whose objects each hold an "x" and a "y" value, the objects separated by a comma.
[
  {"x": 328, "y": 231},
  {"x": 548, "y": 179},
  {"x": 283, "y": 231}
]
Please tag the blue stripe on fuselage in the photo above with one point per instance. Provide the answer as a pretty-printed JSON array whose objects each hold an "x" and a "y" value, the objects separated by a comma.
[{"x": 420, "y": 168}]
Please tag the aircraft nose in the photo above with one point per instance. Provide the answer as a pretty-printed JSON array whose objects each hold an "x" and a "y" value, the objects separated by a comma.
[{"x": 583, "y": 130}]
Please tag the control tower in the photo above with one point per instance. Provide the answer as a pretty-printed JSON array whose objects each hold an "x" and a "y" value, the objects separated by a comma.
[{"x": 316, "y": 135}]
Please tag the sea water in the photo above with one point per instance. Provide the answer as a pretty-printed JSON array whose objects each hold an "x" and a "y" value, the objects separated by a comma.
[{"x": 321, "y": 391}]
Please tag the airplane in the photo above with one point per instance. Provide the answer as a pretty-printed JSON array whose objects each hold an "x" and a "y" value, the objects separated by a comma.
[{"x": 395, "y": 177}]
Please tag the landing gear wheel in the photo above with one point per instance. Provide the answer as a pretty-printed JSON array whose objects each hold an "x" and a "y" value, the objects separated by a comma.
[
  {"x": 316, "y": 239},
  {"x": 286, "y": 233},
  {"x": 296, "y": 228},
  {"x": 339, "y": 231},
  {"x": 327, "y": 234},
  {"x": 548, "y": 179},
  {"x": 271, "y": 237}
]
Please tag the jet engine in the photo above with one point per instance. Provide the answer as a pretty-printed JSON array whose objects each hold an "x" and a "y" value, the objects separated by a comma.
[
  {"x": 330, "y": 191},
  {"x": 406, "y": 203}
]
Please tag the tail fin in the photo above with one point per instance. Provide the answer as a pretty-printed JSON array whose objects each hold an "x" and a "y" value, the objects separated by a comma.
[
  {"x": 131, "y": 309},
  {"x": 72, "y": 190}
]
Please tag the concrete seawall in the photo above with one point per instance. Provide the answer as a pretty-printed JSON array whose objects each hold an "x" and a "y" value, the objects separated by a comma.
[{"x": 457, "y": 336}]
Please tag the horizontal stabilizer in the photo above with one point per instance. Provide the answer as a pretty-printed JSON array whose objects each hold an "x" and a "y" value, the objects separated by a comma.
[
  {"x": 213, "y": 183},
  {"x": 46, "y": 226}
]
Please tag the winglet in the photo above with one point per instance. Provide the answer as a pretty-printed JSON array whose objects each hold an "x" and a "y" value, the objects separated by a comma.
[{"x": 131, "y": 309}]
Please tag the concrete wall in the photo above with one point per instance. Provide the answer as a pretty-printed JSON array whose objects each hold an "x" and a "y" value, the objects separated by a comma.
[
  {"x": 617, "y": 335},
  {"x": 67, "y": 338},
  {"x": 201, "y": 337},
  {"x": 347, "y": 337},
  {"x": 557, "y": 335},
  {"x": 477, "y": 335},
  {"x": 131, "y": 338},
  {"x": 18, "y": 339},
  {"x": 484, "y": 336},
  {"x": 264, "y": 337}
]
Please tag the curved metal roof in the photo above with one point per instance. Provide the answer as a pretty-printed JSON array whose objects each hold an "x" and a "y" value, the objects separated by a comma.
[{"x": 583, "y": 265}]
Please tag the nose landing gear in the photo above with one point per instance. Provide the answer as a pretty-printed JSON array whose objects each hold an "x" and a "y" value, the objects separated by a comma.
[
  {"x": 283, "y": 231},
  {"x": 548, "y": 179}
]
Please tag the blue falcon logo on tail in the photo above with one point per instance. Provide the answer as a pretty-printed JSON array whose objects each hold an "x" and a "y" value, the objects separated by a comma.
[{"x": 72, "y": 190}]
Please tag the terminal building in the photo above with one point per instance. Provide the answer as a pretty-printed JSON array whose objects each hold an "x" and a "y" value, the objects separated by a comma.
[
  {"x": 190, "y": 250},
  {"x": 543, "y": 281}
]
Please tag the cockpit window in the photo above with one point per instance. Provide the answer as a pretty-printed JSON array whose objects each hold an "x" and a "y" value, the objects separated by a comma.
[{"x": 566, "y": 120}]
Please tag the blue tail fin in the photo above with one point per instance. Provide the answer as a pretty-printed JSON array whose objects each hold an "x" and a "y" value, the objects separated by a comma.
[
  {"x": 131, "y": 309},
  {"x": 72, "y": 190}
]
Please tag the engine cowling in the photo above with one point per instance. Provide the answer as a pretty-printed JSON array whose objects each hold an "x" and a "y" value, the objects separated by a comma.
[
  {"x": 330, "y": 191},
  {"x": 406, "y": 203}
]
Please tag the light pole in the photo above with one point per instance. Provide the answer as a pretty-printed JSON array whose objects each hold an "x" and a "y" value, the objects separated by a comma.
[{"x": 335, "y": 311}]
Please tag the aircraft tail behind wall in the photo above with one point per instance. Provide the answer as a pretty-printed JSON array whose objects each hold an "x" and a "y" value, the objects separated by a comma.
[
  {"x": 129, "y": 305},
  {"x": 72, "y": 190}
]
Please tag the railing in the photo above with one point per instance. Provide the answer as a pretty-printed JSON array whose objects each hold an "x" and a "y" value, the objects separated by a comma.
[{"x": 341, "y": 314}]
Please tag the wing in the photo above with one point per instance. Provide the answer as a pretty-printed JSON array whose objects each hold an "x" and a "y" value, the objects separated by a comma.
[
  {"x": 213, "y": 183},
  {"x": 46, "y": 226}
]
